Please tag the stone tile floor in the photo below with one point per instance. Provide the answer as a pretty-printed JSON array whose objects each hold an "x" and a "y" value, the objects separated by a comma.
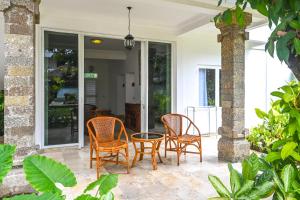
[{"x": 189, "y": 181}]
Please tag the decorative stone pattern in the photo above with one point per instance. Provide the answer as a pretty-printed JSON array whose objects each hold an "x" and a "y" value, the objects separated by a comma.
[
  {"x": 20, "y": 19},
  {"x": 232, "y": 146}
]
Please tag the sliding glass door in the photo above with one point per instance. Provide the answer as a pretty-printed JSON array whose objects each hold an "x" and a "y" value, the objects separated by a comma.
[
  {"x": 61, "y": 88},
  {"x": 159, "y": 83}
]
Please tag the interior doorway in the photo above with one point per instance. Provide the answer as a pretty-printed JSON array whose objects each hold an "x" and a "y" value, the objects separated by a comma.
[{"x": 112, "y": 81}]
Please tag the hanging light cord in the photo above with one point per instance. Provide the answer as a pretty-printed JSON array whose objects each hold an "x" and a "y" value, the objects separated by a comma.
[{"x": 129, "y": 8}]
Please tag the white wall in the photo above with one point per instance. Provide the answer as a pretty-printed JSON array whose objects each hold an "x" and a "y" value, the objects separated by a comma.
[
  {"x": 198, "y": 47},
  {"x": 263, "y": 74}
]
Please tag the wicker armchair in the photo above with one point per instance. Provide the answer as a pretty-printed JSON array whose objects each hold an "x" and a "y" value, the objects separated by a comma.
[
  {"x": 178, "y": 139},
  {"x": 102, "y": 142}
]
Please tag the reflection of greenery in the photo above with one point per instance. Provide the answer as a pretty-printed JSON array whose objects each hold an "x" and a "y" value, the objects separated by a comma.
[
  {"x": 1, "y": 113},
  {"x": 162, "y": 104},
  {"x": 160, "y": 88},
  {"x": 210, "y": 79},
  {"x": 66, "y": 73},
  {"x": 59, "y": 117}
]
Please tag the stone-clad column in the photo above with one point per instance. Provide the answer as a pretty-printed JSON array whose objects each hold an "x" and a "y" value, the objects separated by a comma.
[
  {"x": 232, "y": 146},
  {"x": 20, "y": 17}
]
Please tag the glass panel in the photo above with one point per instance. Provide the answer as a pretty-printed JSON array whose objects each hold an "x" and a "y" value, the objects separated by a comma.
[
  {"x": 207, "y": 89},
  {"x": 61, "y": 88},
  {"x": 159, "y": 93}
]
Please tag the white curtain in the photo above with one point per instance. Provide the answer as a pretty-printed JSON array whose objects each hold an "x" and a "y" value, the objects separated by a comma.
[{"x": 203, "y": 101}]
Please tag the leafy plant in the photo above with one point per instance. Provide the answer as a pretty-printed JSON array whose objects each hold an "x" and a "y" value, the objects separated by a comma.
[
  {"x": 45, "y": 175},
  {"x": 284, "y": 19},
  {"x": 6, "y": 160},
  {"x": 253, "y": 183},
  {"x": 271, "y": 130}
]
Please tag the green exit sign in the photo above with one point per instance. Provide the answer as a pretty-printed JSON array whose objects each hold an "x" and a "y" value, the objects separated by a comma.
[{"x": 91, "y": 75}]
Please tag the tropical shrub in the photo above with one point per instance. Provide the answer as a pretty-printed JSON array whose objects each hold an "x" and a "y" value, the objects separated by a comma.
[
  {"x": 259, "y": 180},
  {"x": 270, "y": 130},
  {"x": 48, "y": 177},
  {"x": 255, "y": 181}
]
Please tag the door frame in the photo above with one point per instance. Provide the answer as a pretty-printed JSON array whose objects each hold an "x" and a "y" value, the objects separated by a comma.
[{"x": 39, "y": 80}]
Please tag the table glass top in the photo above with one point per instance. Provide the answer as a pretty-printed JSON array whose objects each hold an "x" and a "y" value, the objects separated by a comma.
[{"x": 148, "y": 136}]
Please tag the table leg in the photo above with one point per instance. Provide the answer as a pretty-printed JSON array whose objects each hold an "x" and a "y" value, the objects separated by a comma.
[
  {"x": 157, "y": 150},
  {"x": 153, "y": 154},
  {"x": 135, "y": 156},
  {"x": 142, "y": 151}
]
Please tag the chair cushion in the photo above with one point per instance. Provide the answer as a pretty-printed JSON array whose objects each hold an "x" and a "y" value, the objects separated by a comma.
[{"x": 189, "y": 138}]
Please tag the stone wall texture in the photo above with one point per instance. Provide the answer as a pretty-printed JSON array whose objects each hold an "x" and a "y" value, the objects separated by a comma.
[
  {"x": 19, "y": 113},
  {"x": 232, "y": 146}
]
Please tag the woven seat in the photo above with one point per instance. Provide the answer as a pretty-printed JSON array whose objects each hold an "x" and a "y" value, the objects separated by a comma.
[
  {"x": 178, "y": 140},
  {"x": 102, "y": 142}
]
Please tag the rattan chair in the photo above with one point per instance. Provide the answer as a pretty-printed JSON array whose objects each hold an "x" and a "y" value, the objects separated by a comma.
[
  {"x": 178, "y": 139},
  {"x": 102, "y": 142}
]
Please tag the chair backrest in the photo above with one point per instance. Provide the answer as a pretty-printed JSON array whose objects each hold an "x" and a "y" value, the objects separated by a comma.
[
  {"x": 172, "y": 124},
  {"x": 103, "y": 128}
]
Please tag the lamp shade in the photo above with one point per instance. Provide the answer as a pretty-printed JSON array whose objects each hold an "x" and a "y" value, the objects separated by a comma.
[{"x": 129, "y": 42}]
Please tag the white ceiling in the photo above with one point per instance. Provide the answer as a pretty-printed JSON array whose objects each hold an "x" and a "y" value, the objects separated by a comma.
[{"x": 178, "y": 16}]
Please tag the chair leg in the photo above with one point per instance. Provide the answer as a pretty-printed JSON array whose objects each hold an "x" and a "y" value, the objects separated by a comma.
[
  {"x": 117, "y": 158},
  {"x": 91, "y": 156},
  {"x": 98, "y": 164},
  {"x": 200, "y": 149},
  {"x": 178, "y": 150},
  {"x": 166, "y": 144},
  {"x": 127, "y": 159}
]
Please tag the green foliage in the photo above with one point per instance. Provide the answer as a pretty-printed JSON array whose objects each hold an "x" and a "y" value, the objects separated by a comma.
[
  {"x": 104, "y": 185},
  {"x": 270, "y": 130},
  {"x": 44, "y": 175},
  {"x": 251, "y": 184},
  {"x": 6, "y": 159},
  {"x": 284, "y": 18}
]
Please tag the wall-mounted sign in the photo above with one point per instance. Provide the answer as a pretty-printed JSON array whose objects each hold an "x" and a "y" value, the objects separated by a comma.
[{"x": 91, "y": 75}]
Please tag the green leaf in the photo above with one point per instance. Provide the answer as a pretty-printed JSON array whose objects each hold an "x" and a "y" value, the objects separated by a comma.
[
  {"x": 272, "y": 156},
  {"x": 247, "y": 186},
  {"x": 86, "y": 197},
  {"x": 295, "y": 155},
  {"x": 45, "y": 196},
  {"x": 288, "y": 176},
  {"x": 270, "y": 47},
  {"x": 297, "y": 45},
  {"x": 6, "y": 159},
  {"x": 219, "y": 186},
  {"x": 108, "y": 196},
  {"x": 277, "y": 94},
  {"x": 227, "y": 16},
  {"x": 43, "y": 173},
  {"x": 235, "y": 179},
  {"x": 250, "y": 167},
  {"x": 261, "y": 114},
  {"x": 282, "y": 49},
  {"x": 105, "y": 183},
  {"x": 218, "y": 198},
  {"x": 262, "y": 191},
  {"x": 288, "y": 149},
  {"x": 278, "y": 182},
  {"x": 294, "y": 24}
]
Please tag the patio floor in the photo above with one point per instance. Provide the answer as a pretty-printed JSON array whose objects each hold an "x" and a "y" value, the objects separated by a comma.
[{"x": 188, "y": 181}]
